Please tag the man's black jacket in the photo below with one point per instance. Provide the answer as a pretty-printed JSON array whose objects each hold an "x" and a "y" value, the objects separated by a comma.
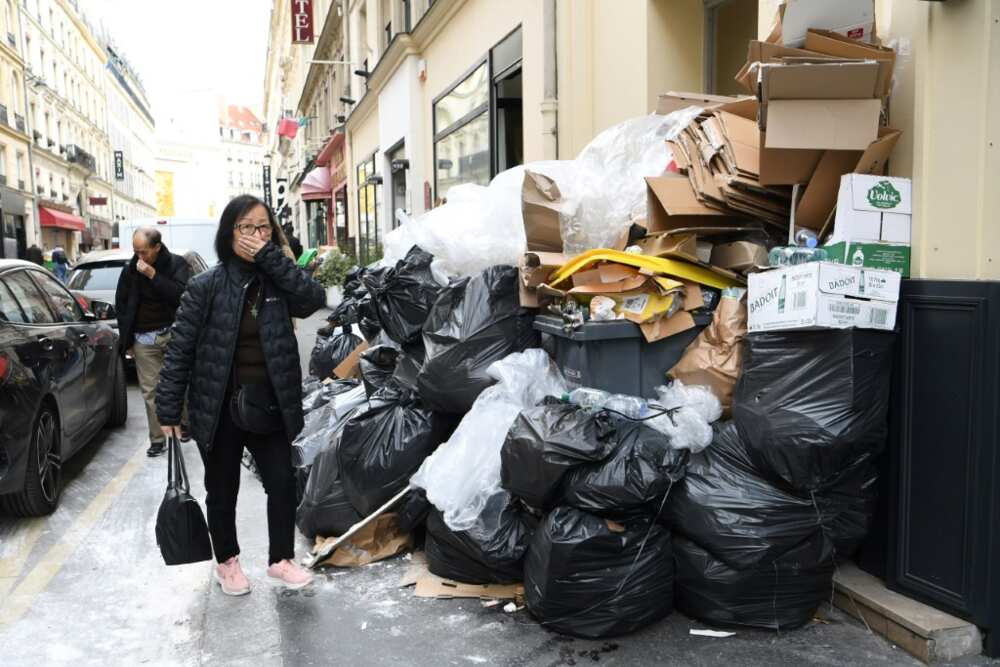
[{"x": 172, "y": 276}]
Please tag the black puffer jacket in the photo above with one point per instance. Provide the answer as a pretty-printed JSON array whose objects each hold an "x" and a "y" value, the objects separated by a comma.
[
  {"x": 172, "y": 276},
  {"x": 203, "y": 342}
]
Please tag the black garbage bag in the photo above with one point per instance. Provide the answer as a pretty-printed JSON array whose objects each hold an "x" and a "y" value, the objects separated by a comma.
[
  {"x": 352, "y": 279},
  {"x": 368, "y": 317},
  {"x": 633, "y": 481},
  {"x": 490, "y": 552},
  {"x": 848, "y": 506},
  {"x": 316, "y": 394},
  {"x": 809, "y": 403},
  {"x": 377, "y": 366},
  {"x": 403, "y": 295},
  {"x": 547, "y": 441},
  {"x": 324, "y": 509},
  {"x": 413, "y": 511},
  {"x": 345, "y": 314},
  {"x": 782, "y": 594},
  {"x": 589, "y": 577},
  {"x": 474, "y": 322},
  {"x": 384, "y": 443},
  {"x": 328, "y": 353}
]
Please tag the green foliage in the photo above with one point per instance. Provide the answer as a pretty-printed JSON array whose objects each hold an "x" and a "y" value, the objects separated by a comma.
[{"x": 334, "y": 268}]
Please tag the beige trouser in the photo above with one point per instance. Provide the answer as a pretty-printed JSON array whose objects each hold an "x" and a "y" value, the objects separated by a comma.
[{"x": 148, "y": 362}]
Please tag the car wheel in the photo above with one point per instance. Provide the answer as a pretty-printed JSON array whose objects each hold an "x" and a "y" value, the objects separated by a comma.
[
  {"x": 43, "y": 475},
  {"x": 119, "y": 397}
]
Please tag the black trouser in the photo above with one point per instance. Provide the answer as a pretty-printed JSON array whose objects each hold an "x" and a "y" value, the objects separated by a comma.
[{"x": 273, "y": 455}]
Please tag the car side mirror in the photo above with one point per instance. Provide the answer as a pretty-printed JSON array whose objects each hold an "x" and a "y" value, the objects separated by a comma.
[{"x": 103, "y": 310}]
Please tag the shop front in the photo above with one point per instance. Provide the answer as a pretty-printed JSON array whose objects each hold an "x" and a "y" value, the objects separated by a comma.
[
  {"x": 315, "y": 192},
  {"x": 332, "y": 157},
  {"x": 60, "y": 228},
  {"x": 12, "y": 228}
]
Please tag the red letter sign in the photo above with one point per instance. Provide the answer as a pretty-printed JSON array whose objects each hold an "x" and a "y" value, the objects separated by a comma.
[{"x": 302, "y": 22}]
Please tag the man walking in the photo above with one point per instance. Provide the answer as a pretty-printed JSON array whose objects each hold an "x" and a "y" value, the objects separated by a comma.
[
  {"x": 149, "y": 292},
  {"x": 34, "y": 255},
  {"x": 61, "y": 264}
]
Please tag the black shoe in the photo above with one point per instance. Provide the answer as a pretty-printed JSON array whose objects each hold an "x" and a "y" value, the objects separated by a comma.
[{"x": 156, "y": 449}]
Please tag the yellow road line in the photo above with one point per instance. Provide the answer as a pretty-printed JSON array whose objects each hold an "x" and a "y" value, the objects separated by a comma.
[
  {"x": 36, "y": 581},
  {"x": 10, "y": 568}
]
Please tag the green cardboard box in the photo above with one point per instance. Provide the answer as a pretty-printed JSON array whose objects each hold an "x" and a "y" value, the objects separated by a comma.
[{"x": 888, "y": 256}]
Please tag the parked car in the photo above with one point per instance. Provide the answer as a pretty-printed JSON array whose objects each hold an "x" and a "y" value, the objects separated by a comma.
[
  {"x": 61, "y": 382},
  {"x": 95, "y": 279}
]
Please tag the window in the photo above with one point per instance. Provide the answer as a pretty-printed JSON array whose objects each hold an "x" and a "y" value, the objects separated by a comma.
[
  {"x": 10, "y": 311},
  {"x": 66, "y": 307},
  {"x": 14, "y": 104},
  {"x": 398, "y": 167},
  {"x": 3, "y": 161},
  {"x": 20, "y": 169},
  {"x": 32, "y": 303},
  {"x": 369, "y": 194},
  {"x": 461, "y": 133}
]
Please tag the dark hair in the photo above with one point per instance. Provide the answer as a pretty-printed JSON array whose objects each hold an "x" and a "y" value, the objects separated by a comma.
[
  {"x": 151, "y": 234},
  {"x": 236, "y": 209}
]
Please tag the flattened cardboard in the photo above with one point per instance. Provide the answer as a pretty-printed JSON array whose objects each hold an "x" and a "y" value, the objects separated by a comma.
[
  {"x": 673, "y": 101},
  {"x": 377, "y": 541},
  {"x": 764, "y": 52},
  {"x": 433, "y": 586},
  {"x": 540, "y": 205},
  {"x": 668, "y": 244},
  {"x": 603, "y": 274},
  {"x": 739, "y": 255},
  {"x": 350, "y": 367},
  {"x": 825, "y": 124},
  {"x": 849, "y": 80},
  {"x": 665, "y": 327},
  {"x": 693, "y": 298},
  {"x": 834, "y": 44},
  {"x": 743, "y": 143},
  {"x": 673, "y": 204},
  {"x": 535, "y": 267},
  {"x": 630, "y": 284}
]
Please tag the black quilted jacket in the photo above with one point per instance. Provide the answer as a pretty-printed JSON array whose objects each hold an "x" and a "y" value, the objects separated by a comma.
[{"x": 203, "y": 342}]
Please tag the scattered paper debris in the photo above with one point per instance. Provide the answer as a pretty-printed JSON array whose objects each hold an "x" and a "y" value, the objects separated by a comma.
[
  {"x": 364, "y": 626},
  {"x": 491, "y": 603},
  {"x": 510, "y": 607},
  {"x": 712, "y": 633}
]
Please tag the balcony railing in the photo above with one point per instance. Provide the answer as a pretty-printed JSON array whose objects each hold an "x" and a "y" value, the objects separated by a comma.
[
  {"x": 77, "y": 155},
  {"x": 11, "y": 39},
  {"x": 3, "y": 115}
]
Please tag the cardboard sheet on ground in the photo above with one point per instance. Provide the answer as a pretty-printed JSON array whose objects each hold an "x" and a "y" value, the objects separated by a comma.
[
  {"x": 377, "y": 541},
  {"x": 429, "y": 585}
]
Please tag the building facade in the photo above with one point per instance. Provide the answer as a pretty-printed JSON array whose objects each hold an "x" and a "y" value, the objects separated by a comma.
[
  {"x": 17, "y": 219},
  {"x": 241, "y": 133},
  {"x": 131, "y": 133}
]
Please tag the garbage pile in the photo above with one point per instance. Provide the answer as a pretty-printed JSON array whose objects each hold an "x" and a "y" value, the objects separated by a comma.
[{"x": 635, "y": 380}]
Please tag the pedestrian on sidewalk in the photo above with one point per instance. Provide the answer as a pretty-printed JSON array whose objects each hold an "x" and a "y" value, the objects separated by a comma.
[
  {"x": 60, "y": 264},
  {"x": 235, "y": 357},
  {"x": 148, "y": 294},
  {"x": 34, "y": 255}
]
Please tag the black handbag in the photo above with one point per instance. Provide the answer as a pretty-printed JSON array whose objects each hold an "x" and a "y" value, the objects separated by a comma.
[
  {"x": 181, "y": 531},
  {"x": 254, "y": 409}
]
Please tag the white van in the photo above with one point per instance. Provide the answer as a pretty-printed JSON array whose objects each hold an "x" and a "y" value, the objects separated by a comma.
[{"x": 196, "y": 234}]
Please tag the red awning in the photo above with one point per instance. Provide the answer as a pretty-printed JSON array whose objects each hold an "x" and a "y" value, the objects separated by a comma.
[
  {"x": 337, "y": 140},
  {"x": 53, "y": 218},
  {"x": 316, "y": 184}
]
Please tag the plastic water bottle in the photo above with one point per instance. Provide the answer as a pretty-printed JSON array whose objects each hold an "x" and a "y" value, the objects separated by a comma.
[
  {"x": 597, "y": 399},
  {"x": 805, "y": 237},
  {"x": 809, "y": 253},
  {"x": 780, "y": 255}
]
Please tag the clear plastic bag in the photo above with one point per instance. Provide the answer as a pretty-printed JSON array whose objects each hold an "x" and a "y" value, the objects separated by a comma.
[
  {"x": 464, "y": 473},
  {"x": 692, "y": 410}
]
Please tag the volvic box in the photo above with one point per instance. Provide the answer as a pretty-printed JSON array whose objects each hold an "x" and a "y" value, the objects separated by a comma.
[
  {"x": 822, "y": 295},
  {"x": 872, "y": 227}
]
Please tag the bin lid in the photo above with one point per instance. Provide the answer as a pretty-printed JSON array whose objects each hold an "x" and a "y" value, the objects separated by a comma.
[{"x": 610, "y": 330}]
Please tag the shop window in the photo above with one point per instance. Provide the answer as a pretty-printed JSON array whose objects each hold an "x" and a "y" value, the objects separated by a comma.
[
  {"x": 398, "y": 166},
  {"x": 369, "y": 198}
]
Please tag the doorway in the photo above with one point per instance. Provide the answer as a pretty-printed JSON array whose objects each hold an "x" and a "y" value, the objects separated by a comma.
[{"x": 729, "y": 26}]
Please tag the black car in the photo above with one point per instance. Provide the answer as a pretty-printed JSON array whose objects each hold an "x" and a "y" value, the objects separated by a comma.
[{"x": 61, "y": 381}]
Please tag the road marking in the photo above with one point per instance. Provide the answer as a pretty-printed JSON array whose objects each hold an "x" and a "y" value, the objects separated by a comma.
[
  {"x": 11, "y": 567},
  {"x": 36, "y": 581}
]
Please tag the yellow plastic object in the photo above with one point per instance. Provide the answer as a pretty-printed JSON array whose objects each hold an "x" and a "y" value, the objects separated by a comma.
[{"x": 670, "y": 267}]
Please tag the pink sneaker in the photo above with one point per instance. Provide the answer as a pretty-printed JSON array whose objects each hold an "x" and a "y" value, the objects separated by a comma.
[
  {"x": 231, "y": 578},
  {"x": 289, "y": 575}
]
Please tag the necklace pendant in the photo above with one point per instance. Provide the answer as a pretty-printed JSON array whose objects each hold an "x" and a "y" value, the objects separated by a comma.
[{"x": 253, "y": 311}]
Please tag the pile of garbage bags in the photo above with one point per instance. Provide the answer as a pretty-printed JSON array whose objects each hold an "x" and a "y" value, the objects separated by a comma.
[
  {"x": 329, "y": 352},
  {"x": 788, "y": 486}
]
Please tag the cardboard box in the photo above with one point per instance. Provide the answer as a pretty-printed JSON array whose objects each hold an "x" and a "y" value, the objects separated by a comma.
[
  {"x": 872, "y": 254},
  {"x": 822, "y": 295},
  {"x": 739, "y": 255},
  {"x": 672, "y": 204},
  {"x": 672, "y": 101},
  {"x": 540, "y": 206},
  {"x": 852, "y": 18},
  {"x": 872, "y": 225},
  {"x": 534, "y": 269},
  {"x": 829, "y": 43}
]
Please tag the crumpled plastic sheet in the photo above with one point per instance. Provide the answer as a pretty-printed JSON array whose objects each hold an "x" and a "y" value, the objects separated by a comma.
[
  {"x": 603, "y": 193},
  {"x": 603, "y": 190},
  {"x": 322, "y": 423},
  {"x": 692, "y": 410},
  {"x": 586, "y": 577},
  {"x": 464, "y": 473}
]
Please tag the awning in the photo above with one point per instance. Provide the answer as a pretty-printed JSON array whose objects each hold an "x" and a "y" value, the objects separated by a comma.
[
  {"x": 316, "y": 184},
  {"x": 52, "y": 218},
  {"x": 336, "y": 141}
]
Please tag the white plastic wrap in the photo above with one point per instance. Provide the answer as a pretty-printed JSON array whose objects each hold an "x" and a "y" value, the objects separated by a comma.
[
  {"x": 603, "y": 190},
  {"x": 465, "y": 471},
  {"x": 321, "y": 424},
  {"x": 694, "y": 409},
  {"x": 476, "y": 228}
]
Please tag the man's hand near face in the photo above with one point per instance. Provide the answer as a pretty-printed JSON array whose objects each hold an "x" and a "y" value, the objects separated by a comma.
[{"x": 145, "y": 269}]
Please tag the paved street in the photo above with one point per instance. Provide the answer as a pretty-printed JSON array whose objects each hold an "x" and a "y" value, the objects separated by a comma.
[{"x": 87, "y": 586}]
